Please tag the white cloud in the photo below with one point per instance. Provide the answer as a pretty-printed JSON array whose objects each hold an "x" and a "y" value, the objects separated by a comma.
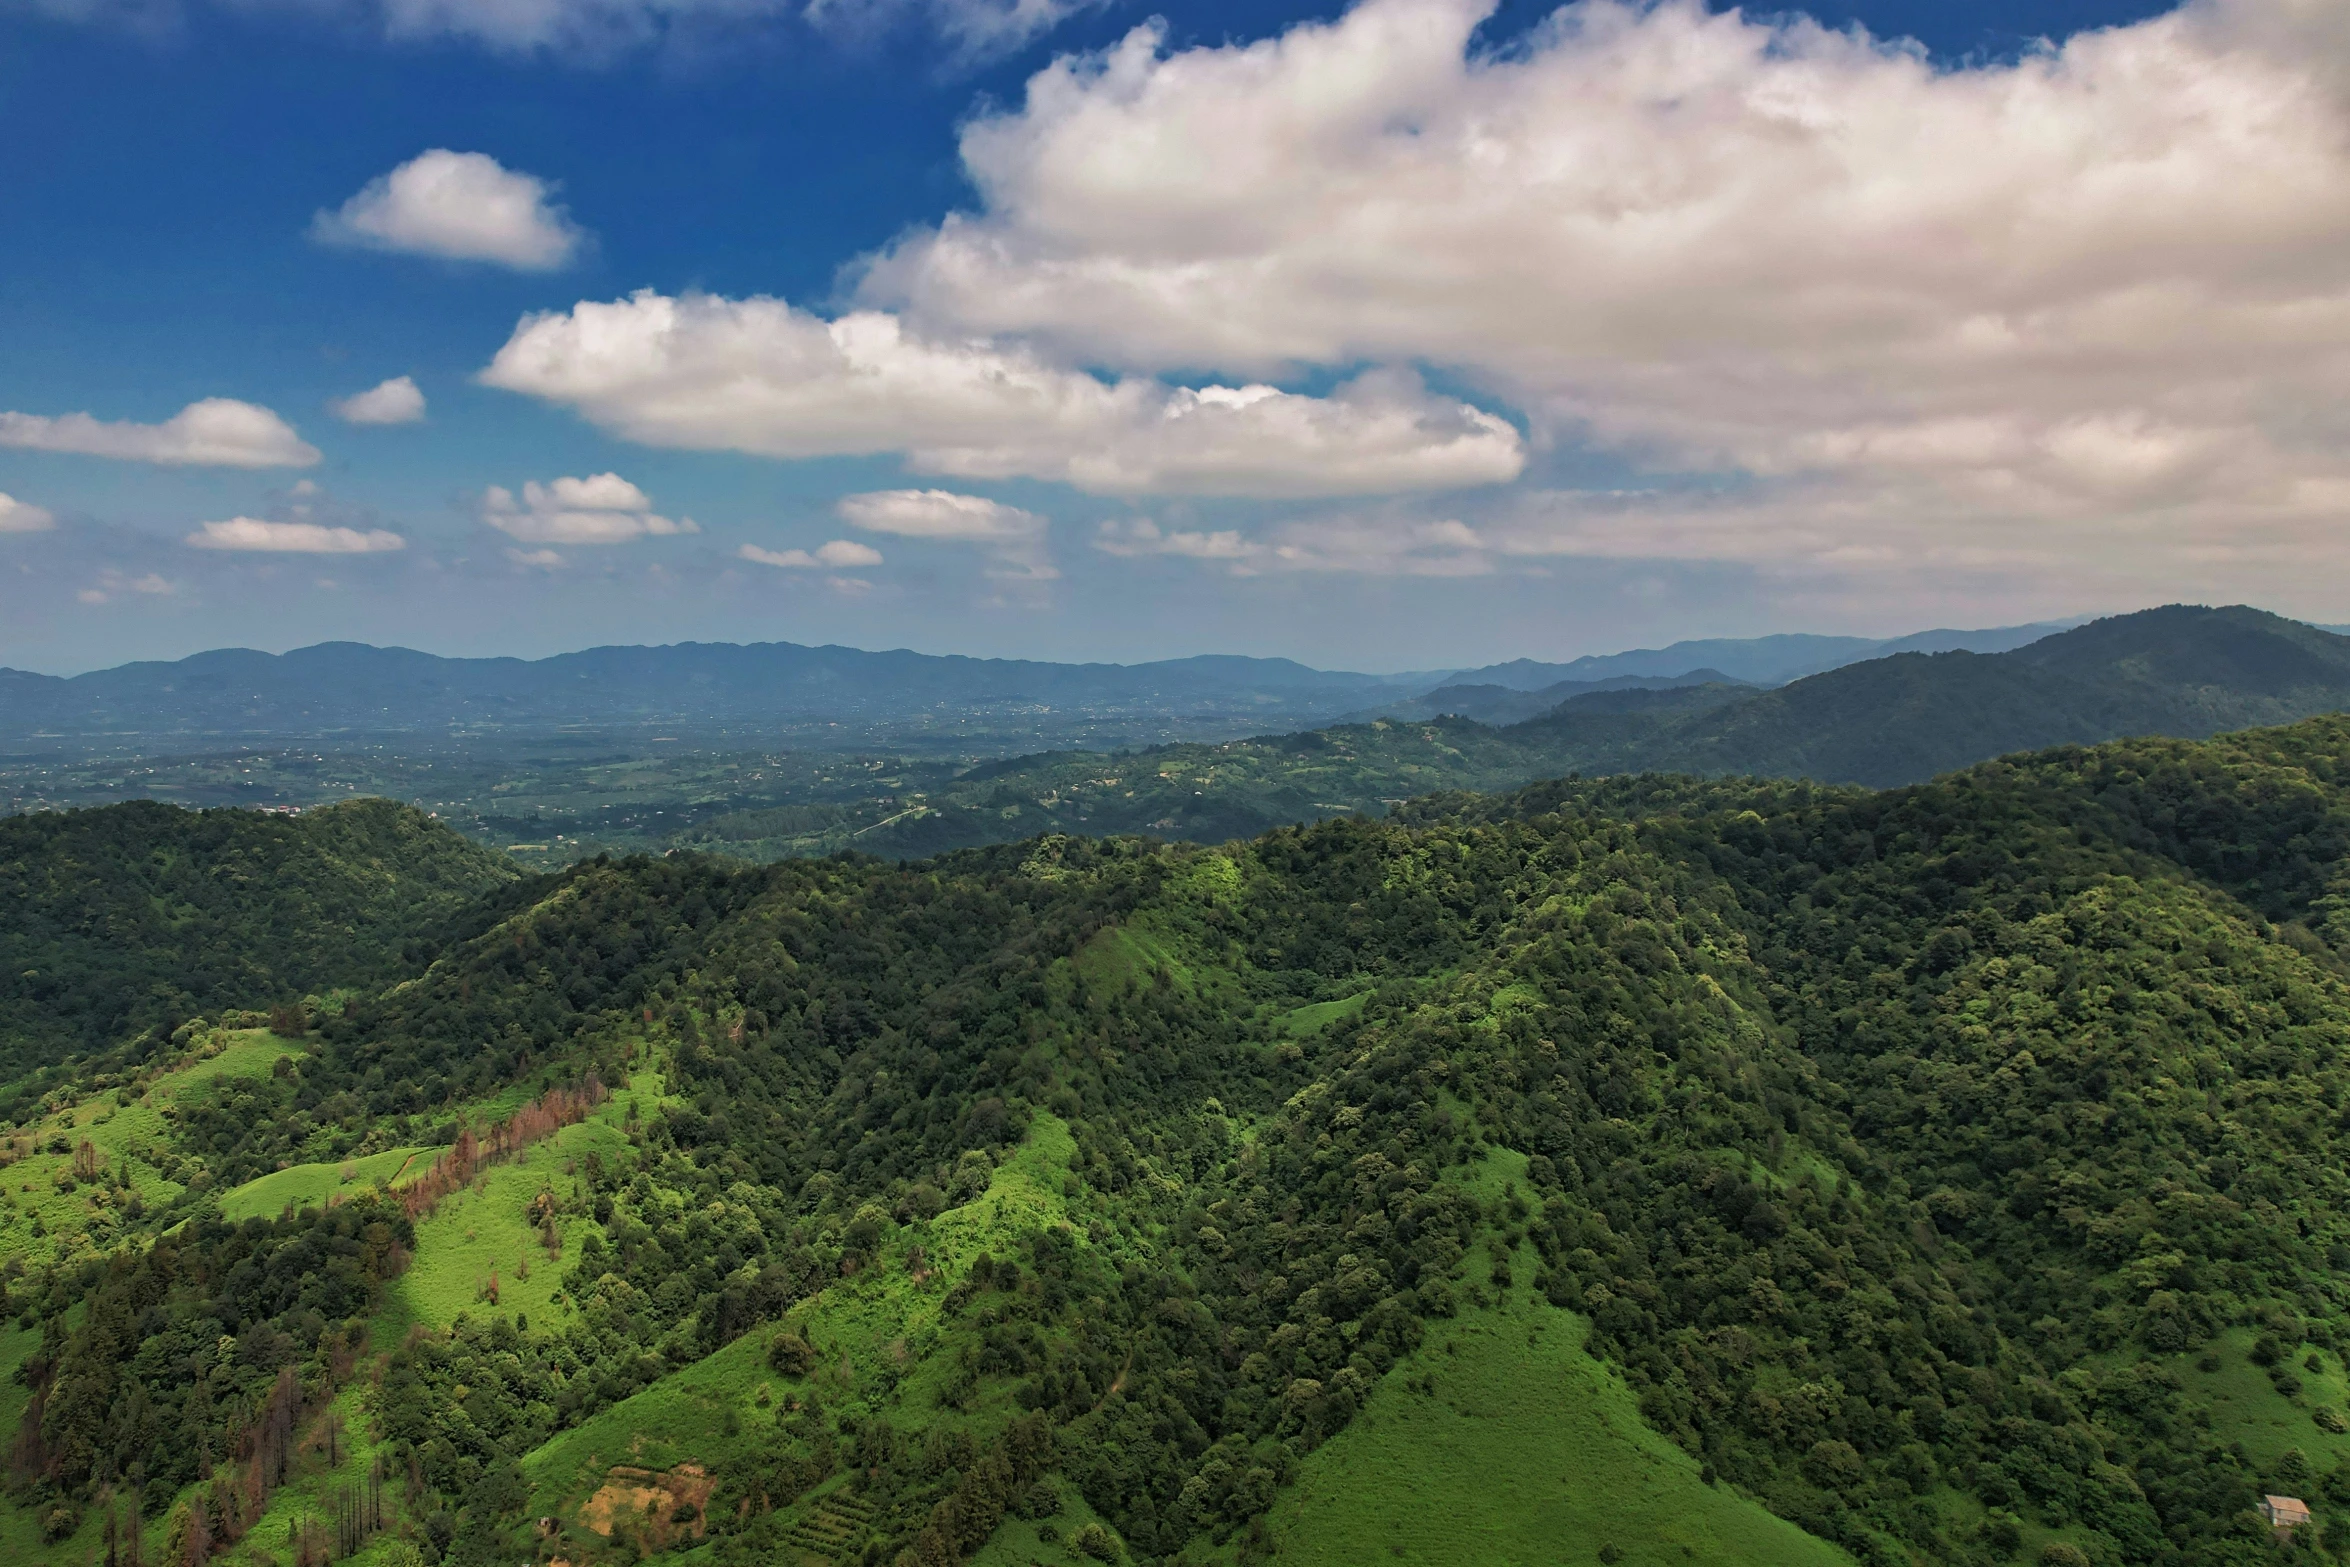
[
  {"x": 941, "y": 514},
  {"x": 755, "y": 375},
  {"x": 545, "y": 560},
  {"x": 218, "y": 432},
  {"x": 113, "y": 584},
  {"x": 396, "y": 401},
  {"x": 462, "y": 206},
  {"x": 1014, "y": 540},
  {"x": 836, "y": 554},
  {"x": 23, "y": 516},
  {"x": 601, "y": 509},
  {"x": 1362, "y": 546},
  {"x": 1144, "y": 537},
  {"x": 2057, "y": 291},
  {"x": 294, "y": 538},
  {"x": 974, "y": 30}
]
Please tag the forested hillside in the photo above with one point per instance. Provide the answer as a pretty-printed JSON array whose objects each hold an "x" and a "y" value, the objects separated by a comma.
[
  {"x": 1733, "y": 1170},
  {"x": 128, "y": 921},
  {"x": 2184, "y": 671}
]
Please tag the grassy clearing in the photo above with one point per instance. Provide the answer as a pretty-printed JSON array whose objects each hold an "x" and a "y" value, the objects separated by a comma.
[
  {"x": 878, "y": 1337},
  {"x": 47, "y": 1216},
  {"x": 311, "y": 1185},
  {"x": 1527, "y": 1451},
  {"x": 1315, "y": 1017},
  {"x": 2246, "y": 1407},
  {"x": 1130, "y": 954},
  {"x": 485, "y": 1231},
  {"x": 20, "y": 1531},
  {"x": 309, "y": 1494},
  {"x": 1018, "y": 1542}
]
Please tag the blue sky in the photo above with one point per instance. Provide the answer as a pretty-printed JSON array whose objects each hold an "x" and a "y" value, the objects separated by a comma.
[{"x": 1559, "y": 346}]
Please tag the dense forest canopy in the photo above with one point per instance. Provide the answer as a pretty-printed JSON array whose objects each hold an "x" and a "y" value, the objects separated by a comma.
[
  {"x": 134, "y": 918},
  {"x": 1955, "y": 1171}
]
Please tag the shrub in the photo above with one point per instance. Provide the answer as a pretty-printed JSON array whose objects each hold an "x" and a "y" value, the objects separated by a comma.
[
  {"x": 1097, "y": 1542},
  {"x": 791, "y": 1355}
]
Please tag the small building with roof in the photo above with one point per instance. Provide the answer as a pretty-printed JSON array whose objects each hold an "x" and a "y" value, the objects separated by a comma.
[{"x": 2284, "y": 1513}]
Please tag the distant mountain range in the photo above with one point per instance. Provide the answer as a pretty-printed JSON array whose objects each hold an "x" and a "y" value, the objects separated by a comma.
[
  {"x": 772, "y": 690},
  {"x": 339, "y": 688},
  {"x": 1760, "y": 661},
  {"x": 2183, "y": 671}
]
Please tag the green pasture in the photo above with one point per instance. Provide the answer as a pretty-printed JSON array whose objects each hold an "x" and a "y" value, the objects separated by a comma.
[
  {"x": 1316, "y": 1016},
  {"x": 42, "y": 1219},
  {"x": 1500, "y": 1441},
  {"x": 313, "y": 1185},
  {"x": 1020, "y": 1542},
  {"x": 485, "y": 1230},
  {"x": 2246, "y": 1407},
  {"x": 878, "y": 1336}
]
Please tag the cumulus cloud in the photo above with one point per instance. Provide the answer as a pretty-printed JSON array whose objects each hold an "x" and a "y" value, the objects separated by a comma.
[
  {"x": 836, "y": 554},
  {"x": 23, "y": 516},
  {"x": 461, "y": 206},
  {"x": 294, "y": 538},
  {"x": 756, "y": 375},
  {"x": 1014, "y": 540},
  {"x": 218, "y": 432},
  {"x": 2062, "y": 290},
  {"x": 601, "y": 509},
  {"x": 397, "y": 401}
]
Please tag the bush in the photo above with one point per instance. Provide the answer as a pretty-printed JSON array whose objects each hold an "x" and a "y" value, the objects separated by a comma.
[
  {"x": 791, "y": 1355},
  {"x": 1834, "y": 1466},
  {"x": 2056, "y": 1553},
  {"x": 1097, "y": 1542}
]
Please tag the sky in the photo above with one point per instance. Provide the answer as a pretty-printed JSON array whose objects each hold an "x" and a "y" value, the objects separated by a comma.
[{"x": 1402, "y": 334}]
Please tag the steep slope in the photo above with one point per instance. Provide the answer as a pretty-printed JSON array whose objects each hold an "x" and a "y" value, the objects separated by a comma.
[{"x": 127, "y": 919}]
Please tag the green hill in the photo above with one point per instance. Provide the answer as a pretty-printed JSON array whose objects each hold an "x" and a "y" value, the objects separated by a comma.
[
  {"x": 126, "y": 920},
  {"x": 1624, "y": 1170},
  {"x": 2182, "y": 670}
]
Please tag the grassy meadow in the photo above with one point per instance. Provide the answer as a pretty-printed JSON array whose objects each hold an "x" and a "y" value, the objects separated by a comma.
[{"x": 47, "y": 1215}]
